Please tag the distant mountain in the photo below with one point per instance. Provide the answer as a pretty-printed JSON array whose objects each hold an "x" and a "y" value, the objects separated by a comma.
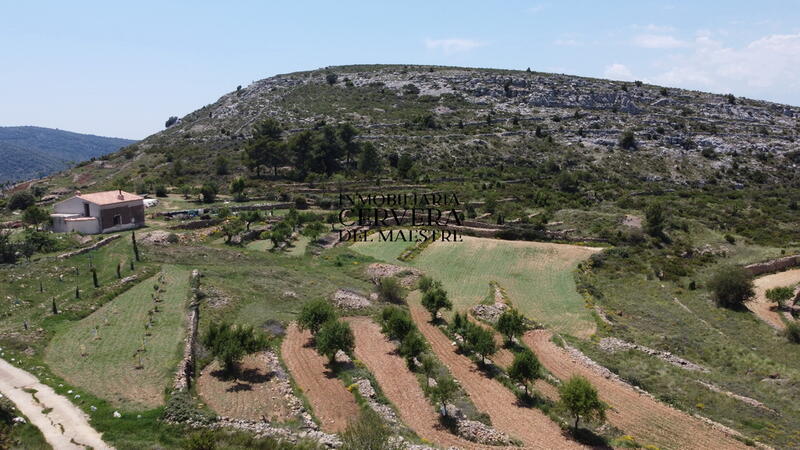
[{"x": 33, "y": 152}]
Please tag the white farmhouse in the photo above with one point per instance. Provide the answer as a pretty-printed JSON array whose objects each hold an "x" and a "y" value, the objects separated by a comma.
[{"x": 99, "y": 212}]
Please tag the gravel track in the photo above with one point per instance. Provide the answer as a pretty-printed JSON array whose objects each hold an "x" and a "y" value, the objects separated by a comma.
[{"x": 65, "y": 426}]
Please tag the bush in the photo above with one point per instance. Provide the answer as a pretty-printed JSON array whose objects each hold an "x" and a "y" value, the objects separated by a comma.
[
  {"x": 369, "y": 432},
  {"x": 20, "y": 201},
  {"x": 331, "y": 78},
  {"x": 792, "y": 332},
  {"x": 731, "y": 240},
  {"x": 390, "y": 290},
  {"x": 229, "y": 343},
  {"x": 396, "y": 323},
  {"x": 161, "y": 190},
  {"x": 200, "y": 440},
  {"x": 628, "y": 140},
  {"x": 208, "y": 192},
  {"x": 731, "y": 286}
]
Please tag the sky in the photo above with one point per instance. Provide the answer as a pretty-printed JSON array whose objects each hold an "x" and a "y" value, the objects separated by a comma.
[{"x": 122, "y": 68}]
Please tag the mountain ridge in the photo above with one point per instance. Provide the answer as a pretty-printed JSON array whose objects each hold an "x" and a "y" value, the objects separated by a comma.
[{"x": 31, "y": 151}]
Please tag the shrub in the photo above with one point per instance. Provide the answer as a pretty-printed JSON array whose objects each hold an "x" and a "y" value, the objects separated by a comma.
[
  {"x": 396, "y": 322},
  {"x": 200, "y": 440},
  {"x": 208, "y": 192},
  {"x": 171, "y": 121},
  {"x": 315, "y": 313},
  {"x": 792, "y": 332},
  {"x": 731, "y": 286},
  {"x": 229, "y": 343},
  {"x": 300, "y": 202},
  {"x": 730, "y": 239},
  {"x": 20, "y": 201},
  {"x": 412, "y": 345},
  {"x": 628, "y": 140},
  {"x": 161, "y": 190},
  {"x": 390, "y": 290},
  {"x": 369, "y": 432},
  {"x": 331, "y": 78}
]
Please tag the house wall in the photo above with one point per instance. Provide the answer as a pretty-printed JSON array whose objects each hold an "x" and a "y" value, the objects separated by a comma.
[
  {"x": 84, "y": 226},
  {"x": 131, "y": 216},
  {"x": 72, "y": 205}
]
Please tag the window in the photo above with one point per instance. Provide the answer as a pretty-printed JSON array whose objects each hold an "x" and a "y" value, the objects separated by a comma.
[
  {"x": 86, "y": 210},
  {"x": 117, "y": 220}
]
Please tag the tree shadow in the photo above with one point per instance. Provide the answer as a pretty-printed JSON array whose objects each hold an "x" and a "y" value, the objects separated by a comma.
[
  {"x": 589, "y": 437},
  {"x": 239, "y": 387}
]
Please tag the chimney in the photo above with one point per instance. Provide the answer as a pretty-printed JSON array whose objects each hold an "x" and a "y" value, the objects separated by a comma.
[{"x": 120, "y": 196}]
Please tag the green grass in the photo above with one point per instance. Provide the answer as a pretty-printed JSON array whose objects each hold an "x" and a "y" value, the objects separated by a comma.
[
  {"x": 538, "y": 278},
  {"x": 111, "y": 337}
]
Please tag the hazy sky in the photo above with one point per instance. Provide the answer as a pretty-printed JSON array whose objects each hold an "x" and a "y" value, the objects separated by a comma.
[{"x": 121, "y": 68}]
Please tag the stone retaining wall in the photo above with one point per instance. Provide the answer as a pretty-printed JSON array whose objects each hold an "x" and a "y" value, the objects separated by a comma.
[
  {"x": 185, "y": 371},
  {"x": 94, "y": 246},
  {"x": 775, "y": 265}
]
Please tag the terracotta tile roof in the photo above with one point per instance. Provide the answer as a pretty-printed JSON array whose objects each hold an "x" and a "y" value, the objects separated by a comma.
[{"x": 109, "y": 197}]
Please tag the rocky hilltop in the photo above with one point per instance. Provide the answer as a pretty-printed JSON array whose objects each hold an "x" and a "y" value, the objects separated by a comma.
[{"x": 453, "y": 117}]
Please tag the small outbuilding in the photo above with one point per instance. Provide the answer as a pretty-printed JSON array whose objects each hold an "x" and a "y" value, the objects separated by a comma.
[{"x": 99, "y": 212}]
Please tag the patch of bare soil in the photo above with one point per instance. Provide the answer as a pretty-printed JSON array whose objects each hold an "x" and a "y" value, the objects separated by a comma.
[
  {"x": 761, "y": 306},
  {"x": 527, "y": 424},
  {"x": 260, "y": 391},
  {"x": 632, "y": 221},
  {"x": 636, "y": 413},
  {"x": 333, "y": 405}
]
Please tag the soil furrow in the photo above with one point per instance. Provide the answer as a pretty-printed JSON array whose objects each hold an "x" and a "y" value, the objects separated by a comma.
[
  {"x": 333, "y": 405},
  {"x": 637, "y": 414}
]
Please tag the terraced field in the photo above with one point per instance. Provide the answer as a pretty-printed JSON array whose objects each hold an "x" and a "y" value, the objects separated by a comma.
[
  {"x": 399, "y": 385},
  {"x": 637, "y": 414},
  {"x": 538, "y": 277},
  {"x": 333, "y": 405},
  {"x": 535, "y": 429},
  {"x": 100, "y": 353}
]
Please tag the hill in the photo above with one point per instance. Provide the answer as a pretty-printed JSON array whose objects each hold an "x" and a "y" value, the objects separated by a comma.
[
  {"x": 459, "y": 117},
  {"x": 33, "y": 152}
]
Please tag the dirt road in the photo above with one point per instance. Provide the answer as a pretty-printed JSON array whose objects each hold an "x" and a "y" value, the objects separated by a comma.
[
  {"x": 764, "y": 308},
  {"x": 65, "y": 426},
  {"x": 333, "y": 405},
  {"x": 648, "y": 420},
  {"x": 527, "y": 424}
]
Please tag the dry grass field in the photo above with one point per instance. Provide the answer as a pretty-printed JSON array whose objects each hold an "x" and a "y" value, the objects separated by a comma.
[
  {"x": 538, "y": 277},
  {"x": 99, "y": 353}
]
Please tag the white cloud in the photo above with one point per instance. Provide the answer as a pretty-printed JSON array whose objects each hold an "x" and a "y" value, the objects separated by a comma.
[
  {"x": 765, "y": 66},
  {"x": 657, "y": 41},
  {"x": 653, "y": 28},
  {"x": 535, "y": 9},
  {"x": 568, "y": 42},
  {"x": 618, "y": 71},
  {"x": 453, "y": 45}
]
